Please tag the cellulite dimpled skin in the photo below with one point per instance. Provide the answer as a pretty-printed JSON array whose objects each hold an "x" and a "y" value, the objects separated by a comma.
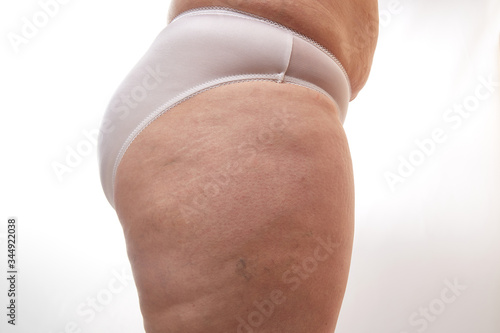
[{"x": 203, "y": 49}]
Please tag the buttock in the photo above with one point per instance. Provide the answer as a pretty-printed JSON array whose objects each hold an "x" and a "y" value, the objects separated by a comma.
[{"x": 204, "y": 49}]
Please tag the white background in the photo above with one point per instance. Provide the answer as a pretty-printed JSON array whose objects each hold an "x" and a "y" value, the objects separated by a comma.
[{"x": 436, "y": 225}]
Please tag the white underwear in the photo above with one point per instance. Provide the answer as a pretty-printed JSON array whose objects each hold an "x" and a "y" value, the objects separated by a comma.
[{"x": 202, "y": 49}]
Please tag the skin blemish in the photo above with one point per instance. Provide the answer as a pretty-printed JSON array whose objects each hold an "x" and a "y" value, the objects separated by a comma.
[{"x": 241, "y": 269}]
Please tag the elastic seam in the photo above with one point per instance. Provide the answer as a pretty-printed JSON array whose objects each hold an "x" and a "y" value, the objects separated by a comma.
[{"x": 290, "y": 49}]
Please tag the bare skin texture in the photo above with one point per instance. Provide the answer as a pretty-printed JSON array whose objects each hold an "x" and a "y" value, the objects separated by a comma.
[{"x": 238, "y": 205}]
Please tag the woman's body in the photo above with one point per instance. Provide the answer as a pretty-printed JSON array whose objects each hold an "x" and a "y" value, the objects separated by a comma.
[{"x": 270, "y": 250}]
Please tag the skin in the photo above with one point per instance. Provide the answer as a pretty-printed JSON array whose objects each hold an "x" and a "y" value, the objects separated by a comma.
[{"x": 228, "y": 199}]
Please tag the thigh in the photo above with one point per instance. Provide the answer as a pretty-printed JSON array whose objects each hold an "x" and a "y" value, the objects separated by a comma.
[{"x": 237, "y": 207}]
